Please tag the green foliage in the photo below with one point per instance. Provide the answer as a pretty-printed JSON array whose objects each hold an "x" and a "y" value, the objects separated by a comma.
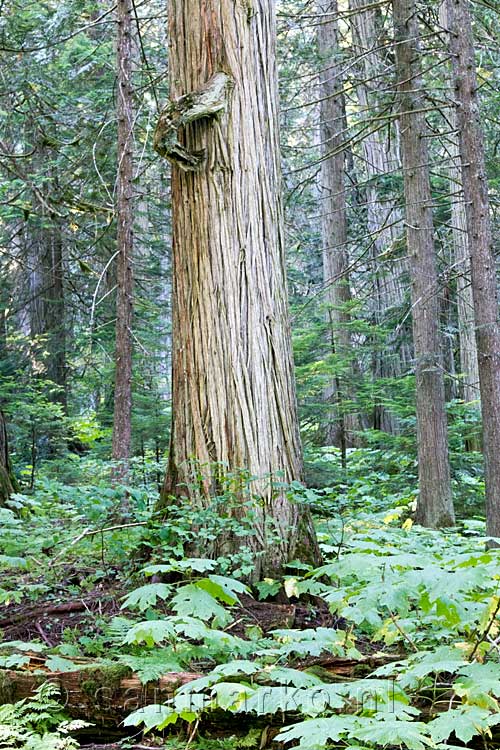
[
  {"x": 37, "y": 723},
  {"x": 431, "y": 593}
]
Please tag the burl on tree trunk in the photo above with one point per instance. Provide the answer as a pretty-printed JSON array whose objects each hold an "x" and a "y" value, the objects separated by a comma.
[
  {"x": 7, "y": 479},
  {"x": 208, "y": 102}
]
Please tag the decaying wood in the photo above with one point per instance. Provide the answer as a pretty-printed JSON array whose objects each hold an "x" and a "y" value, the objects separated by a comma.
[
  {"x": 26, "y": 614},
  {"x": 103, "y": 696}
]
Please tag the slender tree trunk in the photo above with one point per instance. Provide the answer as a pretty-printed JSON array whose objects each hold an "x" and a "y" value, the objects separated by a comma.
[
  {"x": 3, "y": 322},
  {"x": 342, "y": 424},
  {"x": 469, "y": 369},
  {"x": 483, "y": 269},
  {"x": 122, "y": 420},
  {"x": 7, "y": 480},
  {"x": 233, "y": 385},
  {"x": 383, "y": 215},
  {"x": 47, "y": 308},
  {"x": 435, "y": 504},
  {"x": 469, "y": 366}
]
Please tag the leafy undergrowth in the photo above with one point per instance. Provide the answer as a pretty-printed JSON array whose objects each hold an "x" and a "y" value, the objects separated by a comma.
[
  {"x": 431, "y": 596},
  {"x": 400, "y": 646}
]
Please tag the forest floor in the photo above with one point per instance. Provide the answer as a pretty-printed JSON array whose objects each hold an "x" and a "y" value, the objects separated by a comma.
[{"x": 394, "y": 641}]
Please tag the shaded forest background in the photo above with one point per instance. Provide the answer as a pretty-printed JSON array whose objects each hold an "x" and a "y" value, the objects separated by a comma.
[
  {"x": 348, "y": 261},
  {"x": 178, "y": 565}
]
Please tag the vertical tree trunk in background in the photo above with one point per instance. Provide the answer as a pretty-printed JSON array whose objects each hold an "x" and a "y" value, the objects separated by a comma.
[
  {"x": 122, "y": 419},
  {"x": 469, "y": 366},
  {"x": 7, "y": 480},
  {"x": 469, "y": 369},
  {"x": 384, "y": 217},
  {"x": 47, "y": 309},
  {"x": 333, "y": 198},
  {"x": 4, "y": 302},
  {"x": 435, "y": 504},
  {"x": 483, "y": 269},
  {"x": 233, "y": 384}
]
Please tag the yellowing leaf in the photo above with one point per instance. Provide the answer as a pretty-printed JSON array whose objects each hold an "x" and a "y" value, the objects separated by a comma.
[{"x": 291, "y": 587}]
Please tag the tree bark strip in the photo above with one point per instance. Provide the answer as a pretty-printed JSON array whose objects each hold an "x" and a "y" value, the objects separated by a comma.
[{"x": 339, "y": 431}]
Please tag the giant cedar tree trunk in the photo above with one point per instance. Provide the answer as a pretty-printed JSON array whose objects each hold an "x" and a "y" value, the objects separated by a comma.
[
  {"x": 435, "y": 504},
  {"x": 233, "y": 384},
  {"x": 483, "y": 269},
  {"x": 122, "y": 427}
]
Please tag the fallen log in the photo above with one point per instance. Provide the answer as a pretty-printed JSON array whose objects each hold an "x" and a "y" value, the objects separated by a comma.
[
  {"x": 102, "y": 695},
  {"x": 105, "y": 695}
]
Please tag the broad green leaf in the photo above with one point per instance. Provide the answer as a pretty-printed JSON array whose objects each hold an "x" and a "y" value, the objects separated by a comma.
[
  {"x": 59, "y": 664},
  {"x": 315, "y": 733},
  {"x": 478, "y": 683},
  {"x": 295, "y": 677},
  {"x": 149, "y": 668},
  {"x": 34, "y": 646},
  {"x": 13, "y": 661},
  {"x": 392, "y": 731},
  {"x": 231, "y": 696},
  {"x": 237, "y": 667},
  {"x": 309, "y": 701},
  {"x": 146, "y": 596},
  {"x": 154, "y": 716},
  {"x": 150, "y": 632},
  {"x": 466, "y": 722},
  {"x": 190, "y": 600},
  {"x": 267, "y": 587}
]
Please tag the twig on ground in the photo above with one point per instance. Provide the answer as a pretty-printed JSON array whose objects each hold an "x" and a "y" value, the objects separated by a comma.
[{"x": 40, "y": 630}]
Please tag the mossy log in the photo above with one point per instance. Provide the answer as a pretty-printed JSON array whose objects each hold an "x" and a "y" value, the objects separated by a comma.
[
  {"x": 101, "y": 695},
  {"x": 105, "y": 695}
]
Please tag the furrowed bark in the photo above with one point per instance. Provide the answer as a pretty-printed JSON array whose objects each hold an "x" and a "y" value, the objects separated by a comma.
[
  {"x": 383, "y": 215},
  {"x": 469, "y": 367},
  {"x": 234, "y": 404}
]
